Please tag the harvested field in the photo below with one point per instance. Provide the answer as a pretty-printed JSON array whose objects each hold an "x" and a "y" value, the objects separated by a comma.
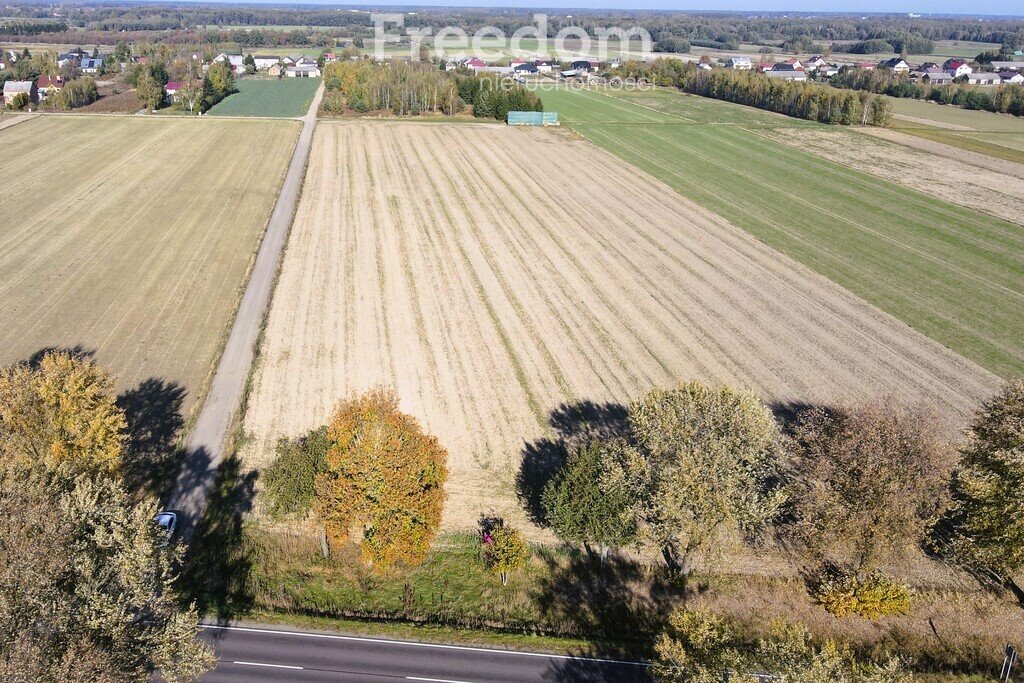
[
  {"x": 493, "y": 274},
  {"x": 946, "y": 179},
  {"x": 951, "y": 273},
  {"x": 949, "y": 151},
  {"x": 133, "y": 237}
]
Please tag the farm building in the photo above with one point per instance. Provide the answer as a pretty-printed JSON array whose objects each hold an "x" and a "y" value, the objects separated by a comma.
[
  {"x": 14, "y": 88},
  {"x": 303, "y": 71},
  {"x": 1008, "y": 66},
  {"x": 235, "y": 61},
  {"x": 532, "y": 118},
  {"x": 932, "y": 75},
  {"x": 1011, "y": 77},
  {"x": 983, "y": 79}
]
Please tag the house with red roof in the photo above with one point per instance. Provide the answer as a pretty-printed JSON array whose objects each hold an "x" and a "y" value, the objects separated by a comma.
[
  {"x": 46, "y": 85},
  {"x": 957, "y": 67}
]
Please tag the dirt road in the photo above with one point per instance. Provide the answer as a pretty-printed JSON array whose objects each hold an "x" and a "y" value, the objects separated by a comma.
[{"x": 205, "y": 442}]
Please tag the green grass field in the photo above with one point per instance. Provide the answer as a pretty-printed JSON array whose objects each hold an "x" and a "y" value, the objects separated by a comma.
[
  {"x": 949, "y": 272},
  {"x": 267, "y": 97}
]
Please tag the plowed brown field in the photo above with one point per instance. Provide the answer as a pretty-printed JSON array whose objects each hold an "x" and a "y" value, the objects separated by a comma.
[{"x": 491, "y": 274}]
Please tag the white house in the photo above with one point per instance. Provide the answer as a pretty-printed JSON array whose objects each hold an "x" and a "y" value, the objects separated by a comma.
[
  {"x": 957, "y": 68},
  {"x": 1014, "y": 77},
  {"x": 815, "y": 63},
  {"x": 235, "y": 61},
  {"x": 896, "y": 65},
  {"x": 265, "y": 61},
  {"x": 544, "y": 66},
  {"x": 738, "y": 63}
]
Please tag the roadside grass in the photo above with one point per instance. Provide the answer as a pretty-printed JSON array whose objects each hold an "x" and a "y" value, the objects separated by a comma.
[
  {"x": 558, "y": 603},
  {"x": 285, "y": 97},
  {"x": 947, "y": 271}
]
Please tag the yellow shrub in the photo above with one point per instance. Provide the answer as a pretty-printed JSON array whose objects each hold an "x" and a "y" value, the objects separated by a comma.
[{"x": 842, "y": 593}]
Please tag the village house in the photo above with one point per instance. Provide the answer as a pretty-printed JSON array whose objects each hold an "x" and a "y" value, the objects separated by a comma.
[
  {"x": 867, "y": 66},
  {"x": 76, "y": 56},
  {"x": 14, "y": 88},
  {"x": 896, "y": 65},
  {"x": 475, "y": 63},
  {"x": 275, "y": 70},
  {"x": 583, "y": 65},
  {"x": 171, "y": 90},
  {"x": 544, "y": 66},
  {"x": 91, "y": 65},
  {"x": 738, "y": 63},
  {"x": 234, "y": 61},
  {"x": 815, "y": 63},
  {"x": 330, "y": 57},
  {"x": 264, "y": 62},
  {"x": 525, "y": 69},
  {"x": 45, "y": 86},
  {"x": 787, "y": 70},
  {"x": 1014, "y": 77},
  {"x": 957, "y": 67}
]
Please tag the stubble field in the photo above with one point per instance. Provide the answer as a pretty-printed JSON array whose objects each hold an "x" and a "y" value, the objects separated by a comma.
[
  {"x": 491, "y": 275},
  {"x": 131, "y": 238}
]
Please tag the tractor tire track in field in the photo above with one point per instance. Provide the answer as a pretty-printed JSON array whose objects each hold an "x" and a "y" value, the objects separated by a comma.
[{"x": 518, "y": 270}]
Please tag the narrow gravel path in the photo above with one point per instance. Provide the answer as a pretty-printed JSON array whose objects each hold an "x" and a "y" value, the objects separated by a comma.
[{"x": 204, "y": 446}]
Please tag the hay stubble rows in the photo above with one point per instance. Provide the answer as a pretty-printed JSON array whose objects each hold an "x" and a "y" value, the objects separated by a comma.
[{"x": 491, "y": 274}]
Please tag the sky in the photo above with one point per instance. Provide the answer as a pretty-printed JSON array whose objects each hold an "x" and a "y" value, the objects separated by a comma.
[{"x": 924, "y": 7}]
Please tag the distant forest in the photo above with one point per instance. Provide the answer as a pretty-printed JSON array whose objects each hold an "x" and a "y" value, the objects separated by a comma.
[{"x": 91, "y": 23}]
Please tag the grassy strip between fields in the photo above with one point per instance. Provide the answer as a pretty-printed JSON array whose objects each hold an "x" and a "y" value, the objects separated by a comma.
[
  {"x": 950, "y": 272},
  {"x": 956, "y": 139}
]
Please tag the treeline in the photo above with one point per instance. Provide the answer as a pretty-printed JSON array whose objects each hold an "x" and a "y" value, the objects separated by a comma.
[
  {"x": 411, "y": 88},
  {"x": 401, "y": 87},
  {"x": 801, "y": 99},
  {"x": 494, "y": 97},
  {"x": 19, "y": 27},
  {"x": 887, "y": 42},
  {"x": 851, "y": 491},
  {"x": 1005, "y": 99}
]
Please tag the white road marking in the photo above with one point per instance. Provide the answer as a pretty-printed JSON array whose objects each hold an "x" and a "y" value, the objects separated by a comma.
[
  {"x": 272, "y": 666},
  {"x": 433, "y": 680},
  {"x": 413, "y": 643}
]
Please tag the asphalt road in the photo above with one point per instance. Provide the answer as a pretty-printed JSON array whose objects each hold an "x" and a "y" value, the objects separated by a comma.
[
  {"x": 204, "y": 445},
  {"x": 267, "y": 654}
]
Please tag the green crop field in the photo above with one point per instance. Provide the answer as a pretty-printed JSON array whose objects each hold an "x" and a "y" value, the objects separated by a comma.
[
  {"x": 268, "y": 97},
  {"x": 952, "y": 273}
]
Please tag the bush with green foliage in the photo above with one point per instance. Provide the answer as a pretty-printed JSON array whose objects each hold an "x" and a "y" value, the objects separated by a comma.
[
  {"x": 504, "y": 550},
  {"x": 290, "y": 481}
]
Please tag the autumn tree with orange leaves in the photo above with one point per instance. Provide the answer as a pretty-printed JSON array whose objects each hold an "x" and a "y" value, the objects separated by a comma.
[{"x": 384, "y": 478}]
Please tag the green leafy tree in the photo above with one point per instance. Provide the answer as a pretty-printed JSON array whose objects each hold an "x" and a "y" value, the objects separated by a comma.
[
  {"x": 695, "y": 647},
  {"x": 585, "y": 503},
  {"x": 504, "y": 551},
  {"x": 249, "y": 63},
  {"x": 707, "y": 458},
  {"x": 385, "y": 477},
  {"x": 61, "y": 412},
  {"x": 149, "y": 91},
  {"x": 122, "y": 52},
  {"x": 218, "y": 83},
  {"x": 290, "y": 481},
  {"x": 988, "y": 490}
]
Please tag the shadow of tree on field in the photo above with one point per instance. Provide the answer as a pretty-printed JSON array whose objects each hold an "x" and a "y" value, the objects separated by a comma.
[
  {"x": 218, "y": 561},
  {"x": 77, "y": 352},
  {"x": 621, "y": 614},
  {"x": 153, "y": 454},
  {"x": 573, "y": 424}
]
